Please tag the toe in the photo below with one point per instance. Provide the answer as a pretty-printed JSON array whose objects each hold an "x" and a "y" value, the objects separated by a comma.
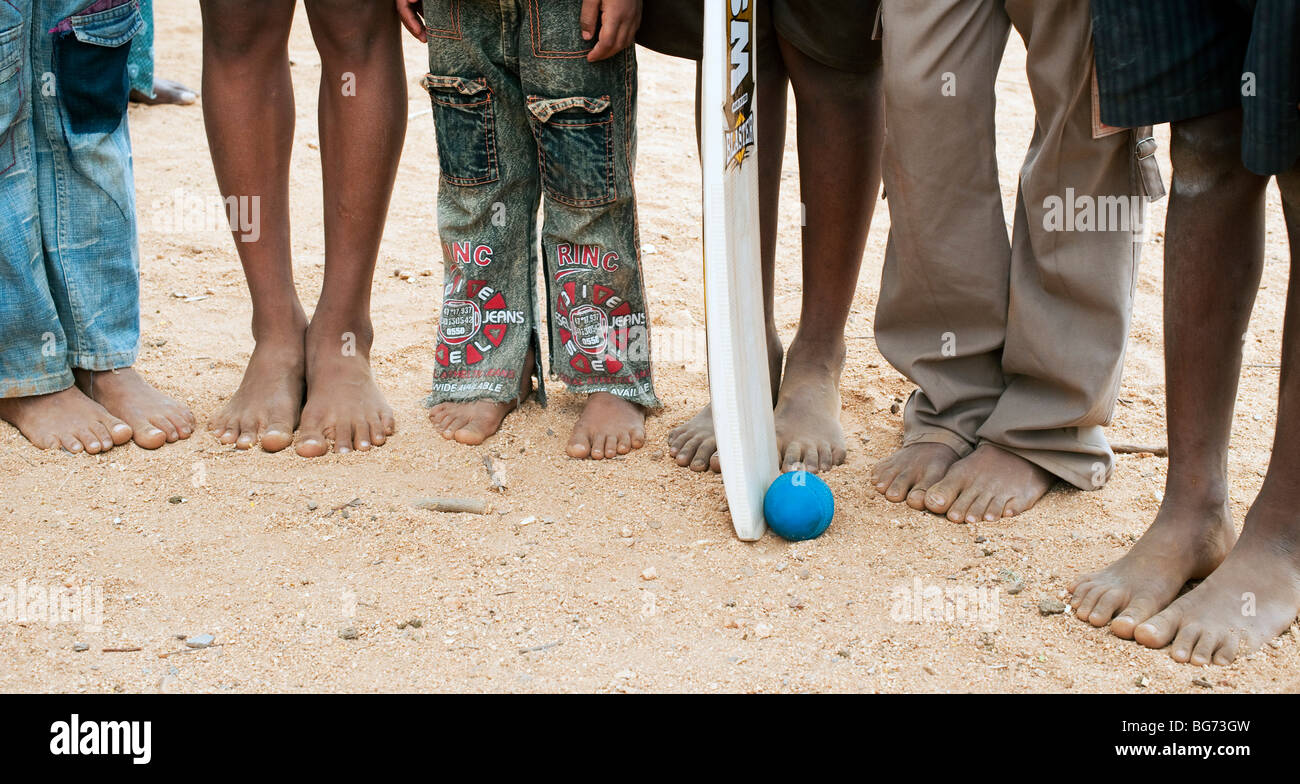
[
  {"x": 164, "y": 424},
  {"x": 686, "y": 453},
  {"x": 361, "y": 436},
  {"x": 579, "y": 445},
  {"x": 149, "y": 436},
  {"x": 704, "y": 454},
  {"x": 70, "y": 442},
  {"x": 899, "y": 488},
  {"x": 247, "y": 435},
  {"x": 975, "y": 512},
  {"x": 1087, "y": 601},
  {"x": 89, "y": 442},
  {"x": 119, "y": 431},
  {"x": 939, "y": 498},
  {"x": 1203, "y": 653},
  {"x": 101, "y": 435},
  {"x": 343, "y": 438},
  {"x": 276, "y": 436},
  {"x": 311, "y": 443},
  {"x": 997, "y": 508},
  {"x": 624, "y": 444},
  {"x": 1227, "y": 652},
  {"x": 1185, "y": 642},
  {"x": 1137, "y": 612},
  {"x": 1160, "y": 629},
  {"x": 377, "y": 434},
  {"x": 1109, "y": 602}
]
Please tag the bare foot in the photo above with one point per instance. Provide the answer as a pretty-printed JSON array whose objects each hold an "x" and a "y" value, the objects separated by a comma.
[
  {"x": 692, "y": 444},
  {"x": 68, "y": 419},
  {"x": 155, "y": 418},
  {"x": 1187, "y": 541},
  {"x": 988, "y": 484},
  {"x": 609, "y": 426},
  {"x": 264, "y": 410},
  {"x": 909, "y": 473},
  {"x": 344, "y": 405},
  {"x": 474, "y": 421},
  {"x": 166, "y": 91},
  {"x": 1250, "y": 599},
  {"x": 808, "y": 432}
]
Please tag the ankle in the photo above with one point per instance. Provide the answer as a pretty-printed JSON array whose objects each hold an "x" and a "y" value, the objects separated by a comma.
[
  {"x": 1199, "y": 491},
  {"x": 823, "y": 352}
]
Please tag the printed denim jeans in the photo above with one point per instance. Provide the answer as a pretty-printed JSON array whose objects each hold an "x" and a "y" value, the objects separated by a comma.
[
  {"x": 69, "y": 264},
  {"x": 520, "y": 114}
]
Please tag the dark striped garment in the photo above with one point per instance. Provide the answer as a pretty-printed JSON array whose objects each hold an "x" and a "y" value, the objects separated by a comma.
[{"x": 1167, "y": 60}]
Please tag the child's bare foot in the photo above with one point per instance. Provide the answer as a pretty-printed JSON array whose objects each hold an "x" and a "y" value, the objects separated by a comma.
[
  {"x": 808, "y": 432},
  {"x": 344, "y": 405},
  {"x": 474, "y": 421},
  {"x": 908, "y": 474},
  {"x": 988, "y": 484},
  {"x": 1187, "y": 541},
  {"x": 609, "y": 426},
  {"x": 155, "y": 419},
  {"x": 692, "y": 444},
  {"x": 264, "y": 410},
  {"x": 65, "y": 419},
  {"x": 165, "y": 91},
  {"x": 1250, "y": 599}
]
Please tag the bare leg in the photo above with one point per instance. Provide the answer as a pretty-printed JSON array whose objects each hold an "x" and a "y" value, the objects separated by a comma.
[
  {"x": 248, "y": 111},
  {"x": 1213, "y": 260},
  {"x": 841, "y": 134},
  {"x": 1255, "y": 593},
  {"x": 692, "y": 443},
  {"x": 362, "y": 126}
]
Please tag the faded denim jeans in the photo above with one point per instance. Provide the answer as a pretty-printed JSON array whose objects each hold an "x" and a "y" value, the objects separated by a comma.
[
  {"x": 520, "y": 115},
  {"x": 69, "y": 263}
]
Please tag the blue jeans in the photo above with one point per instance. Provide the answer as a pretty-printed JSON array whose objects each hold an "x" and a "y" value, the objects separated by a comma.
[{"x": 69, "y": 261}]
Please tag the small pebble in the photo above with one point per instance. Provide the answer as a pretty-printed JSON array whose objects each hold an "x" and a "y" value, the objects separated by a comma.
[
  {"x": 348, "y": 634},
  {"x": 649, "y": 573},
  {"x": 200, "y": 641},
  {"x": 763, "y": 631},
  {"x": 1051, "y": 607},
  {"x": 312, "y": 506},
  {"x": 80, "y": 647}
]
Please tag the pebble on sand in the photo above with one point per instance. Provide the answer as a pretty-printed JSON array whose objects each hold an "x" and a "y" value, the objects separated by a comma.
[
  {"x": 649, "y": 573},
  {"x": 349, "y": 633},
  {"x": 200, "y": 641},
  {"x": 80, "y": 647},
  {"x": 1051, "y": 607}
]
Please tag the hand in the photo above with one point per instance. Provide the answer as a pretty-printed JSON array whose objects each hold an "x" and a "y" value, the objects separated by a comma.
[
  {"x": 618, "y": 22},
  {"x": 409, "y": 12}
]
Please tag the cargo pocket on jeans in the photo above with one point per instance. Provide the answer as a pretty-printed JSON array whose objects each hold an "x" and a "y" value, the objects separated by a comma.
[
  {"x": 90, "y": 67},
  {"x": 465, "y": 125},
  {"x": 11, "y": 92},
  {"x": 575, "y": 147}
]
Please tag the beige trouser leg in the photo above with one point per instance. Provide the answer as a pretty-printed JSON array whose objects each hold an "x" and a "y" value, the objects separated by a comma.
[{"x": 1019, "y": 344}]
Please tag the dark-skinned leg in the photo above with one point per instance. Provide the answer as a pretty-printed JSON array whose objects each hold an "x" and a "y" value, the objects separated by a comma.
[
  {"x": 692, "y": 443},
  {"x": 250, "y": 132},
  {"x": 841, "y": 132},
  {"x": 1213, "y": 261},
  {"x": 1255, "y": 593},
  {"x": 362, "y": 127}
]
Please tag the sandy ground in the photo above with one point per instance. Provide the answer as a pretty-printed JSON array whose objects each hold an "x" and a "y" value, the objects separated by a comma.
[{"x": 548, "y": 592}]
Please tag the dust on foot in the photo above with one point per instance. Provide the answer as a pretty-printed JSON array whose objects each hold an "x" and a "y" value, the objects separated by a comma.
[
  {"x": 1187, "y": 541},
  {"x": 909, "y": 473},
  {"x": 609, "y": 426},
  {"x": 155, "y": 419},
  {"x": 988, "y": 484},
  {"x": 66, "y": 419}
]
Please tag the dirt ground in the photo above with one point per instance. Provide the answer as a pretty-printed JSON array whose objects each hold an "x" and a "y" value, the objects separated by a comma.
[{"x": 309, "y": 573}]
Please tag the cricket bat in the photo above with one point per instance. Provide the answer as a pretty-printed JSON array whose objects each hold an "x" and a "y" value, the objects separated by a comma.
[{"x": 739, "y": 382}]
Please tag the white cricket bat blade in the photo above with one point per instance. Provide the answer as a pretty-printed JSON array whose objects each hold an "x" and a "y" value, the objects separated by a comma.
[{"x": 739, "y": 381}]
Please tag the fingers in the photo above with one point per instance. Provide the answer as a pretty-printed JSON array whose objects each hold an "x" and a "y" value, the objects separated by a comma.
[
  {"x": 617, "y": 31},
  {"x": 411, "y": 19},
  {"x": 587, "y": 18}
]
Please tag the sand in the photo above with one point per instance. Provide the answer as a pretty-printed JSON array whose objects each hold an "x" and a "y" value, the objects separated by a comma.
[{"x": 320, "y": 575}]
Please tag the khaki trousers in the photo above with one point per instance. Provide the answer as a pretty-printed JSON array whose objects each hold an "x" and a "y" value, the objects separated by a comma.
[{"x": 1017, "y": 342}]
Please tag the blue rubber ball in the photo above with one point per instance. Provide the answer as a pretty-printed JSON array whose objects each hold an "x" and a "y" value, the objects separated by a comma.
[{"x": 798, "y": 506}]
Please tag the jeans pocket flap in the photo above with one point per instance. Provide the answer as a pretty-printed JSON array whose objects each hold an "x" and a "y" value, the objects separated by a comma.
[
  {"x": 11, "y": 52},
  {"x": 111, "y": 28},
  {"x": 434, "y": 84},
  {"x": 544, "y": 109}
]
